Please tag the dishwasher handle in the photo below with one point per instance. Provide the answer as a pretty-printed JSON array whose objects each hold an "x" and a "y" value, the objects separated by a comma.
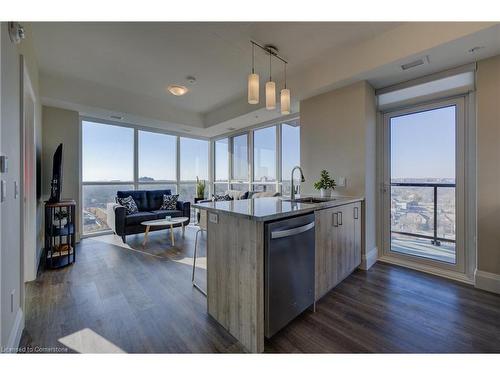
[{"x": 292, "y": 231}]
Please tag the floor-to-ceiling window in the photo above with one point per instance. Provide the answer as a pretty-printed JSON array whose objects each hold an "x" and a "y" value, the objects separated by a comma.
[
  {"x": 290, "y": 153},
  {"x": 221, "y": 165},
  {"x": 264, "y": 159},
  {"x": 193, "y": 164},
  {"x": 259, "y": 159},
  {"x": 107, "y": 166},
  {"x": 116, "y": 157},
  {"x": 239, "y": 175},
  {"x": 157, "y": 161}
]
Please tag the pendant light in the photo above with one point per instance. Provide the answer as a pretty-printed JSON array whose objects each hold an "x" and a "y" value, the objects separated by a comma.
[
  {"x": 253, "y": 82},
  {"x": 285, "y": 99},
  {"x": 270, "y": 87}
]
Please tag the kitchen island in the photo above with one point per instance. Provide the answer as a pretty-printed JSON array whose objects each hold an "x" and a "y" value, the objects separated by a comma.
[{"x": 236, "y": 255}]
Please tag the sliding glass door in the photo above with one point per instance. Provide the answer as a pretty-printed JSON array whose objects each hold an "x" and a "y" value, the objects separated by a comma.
[{"x": 423, "y": 187}]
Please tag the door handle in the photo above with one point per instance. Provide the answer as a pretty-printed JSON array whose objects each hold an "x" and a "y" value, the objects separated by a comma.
[
  {"x": 335, "y": 219},
  {"x": 292, "y": 232},
  {"x": 356, "y": 213},
  {"x": 340, "y": 217}
]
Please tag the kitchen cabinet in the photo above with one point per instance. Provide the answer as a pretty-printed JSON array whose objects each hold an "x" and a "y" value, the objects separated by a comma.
[{"x": 338, "y": 245}]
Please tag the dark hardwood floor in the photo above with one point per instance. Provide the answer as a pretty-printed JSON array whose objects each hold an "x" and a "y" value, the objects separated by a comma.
[{"x": 137, "y": 300}]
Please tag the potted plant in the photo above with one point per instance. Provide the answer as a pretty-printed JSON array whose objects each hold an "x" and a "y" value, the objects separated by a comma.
[
  {"x": 200, "y": 188},
  {"x": 325, "y": 184}
]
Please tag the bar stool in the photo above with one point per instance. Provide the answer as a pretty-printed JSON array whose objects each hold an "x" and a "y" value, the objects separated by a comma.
[{"x": 202, "y": 223}]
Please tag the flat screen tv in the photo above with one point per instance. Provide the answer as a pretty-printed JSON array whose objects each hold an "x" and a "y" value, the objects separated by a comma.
[{"x": 56, "y": 182}]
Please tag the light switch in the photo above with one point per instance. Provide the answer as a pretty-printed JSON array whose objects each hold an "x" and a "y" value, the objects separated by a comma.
[
  {"x": 213, "y": 218},
  {"x": 341, "y": 181}
]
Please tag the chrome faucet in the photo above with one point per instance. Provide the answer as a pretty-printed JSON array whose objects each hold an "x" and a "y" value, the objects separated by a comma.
[{"x": 302, "y": 179}]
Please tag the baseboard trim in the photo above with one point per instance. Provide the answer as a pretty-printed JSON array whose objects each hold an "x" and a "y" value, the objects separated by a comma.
[
  {"x": 369, "y": 259},
  {"x": 487, "y": 281},
  {"x": 15, "y": 333},
  {"x": 453, "y": 275}
]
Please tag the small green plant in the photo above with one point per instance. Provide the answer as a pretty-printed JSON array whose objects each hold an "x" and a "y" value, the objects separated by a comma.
[
  {"x": 325, "y": 182},
  {"x": 200, "y": 188}
]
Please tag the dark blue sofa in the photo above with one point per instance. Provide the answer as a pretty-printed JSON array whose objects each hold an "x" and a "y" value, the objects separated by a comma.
[{"x": 149, "y": 203}]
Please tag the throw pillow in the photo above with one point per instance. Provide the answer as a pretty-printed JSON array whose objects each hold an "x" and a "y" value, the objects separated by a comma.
[
  {"x": 129, "y": 204},
  {"x": 169, "y": 202},
  {"x": 221, "y": 197}
]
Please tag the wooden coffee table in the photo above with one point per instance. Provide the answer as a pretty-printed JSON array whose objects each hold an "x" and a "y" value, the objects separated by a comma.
[{"x": 162, "y": 223}]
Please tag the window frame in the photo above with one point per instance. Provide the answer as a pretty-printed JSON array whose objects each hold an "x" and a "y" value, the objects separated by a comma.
[
  {"x": 135, "y": 182},
  {"x": 278, "y": 182}
]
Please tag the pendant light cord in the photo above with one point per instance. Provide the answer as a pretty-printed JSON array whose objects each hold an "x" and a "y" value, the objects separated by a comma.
[
  {"x": 285, "y": 75},
  {"x": 270, "y": 56},
  {"x": 253, "y": 58}
]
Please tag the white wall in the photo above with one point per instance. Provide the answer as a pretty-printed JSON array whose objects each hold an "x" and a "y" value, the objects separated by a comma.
[
  {"x": 11, "y": 258},
  {"x": 62, "y": 126},
  {"x": 27, "y": 50},
  {"x": 11, "y": 310},
  {"x": 338, "y": 134}
]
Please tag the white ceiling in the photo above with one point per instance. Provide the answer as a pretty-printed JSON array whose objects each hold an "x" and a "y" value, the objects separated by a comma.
[
  {"x": 104, "y": 69},
  {"x": 144, "y": 58}
]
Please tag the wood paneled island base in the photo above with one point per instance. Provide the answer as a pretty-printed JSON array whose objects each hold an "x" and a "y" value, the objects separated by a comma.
[{"x": 235, "y": 278}]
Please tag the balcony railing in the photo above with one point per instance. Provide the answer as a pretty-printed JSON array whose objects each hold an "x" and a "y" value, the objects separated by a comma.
[{"x": 435, "y": 239}]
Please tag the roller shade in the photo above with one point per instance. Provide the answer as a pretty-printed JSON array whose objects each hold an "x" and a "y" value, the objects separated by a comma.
[{"x": 455, "y": 81}]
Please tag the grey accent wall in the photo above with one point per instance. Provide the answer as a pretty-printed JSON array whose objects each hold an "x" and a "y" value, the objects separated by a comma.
[
  {"x": 488, "y": 162},
  {"x": 61, "y": 126},
  {"x": 338, "y": 133}
]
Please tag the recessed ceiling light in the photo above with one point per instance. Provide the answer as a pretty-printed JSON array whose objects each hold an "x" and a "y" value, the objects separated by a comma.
[
  {"x": 231, "y": 129},
  {"x": 116, "y": 117},
  {"x": 187, "y": 130},
  {"x": 177, "y": 90}
]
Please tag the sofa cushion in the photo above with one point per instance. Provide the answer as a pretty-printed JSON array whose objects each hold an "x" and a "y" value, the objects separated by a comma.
[
  {"x": 139, "y": 198},
  {"x": 155, "y": 198},
  {"x": 138, "y": 218},
  {"x": 169, "y": 202},
  {"x": 160, "y": 214},
  {"x": 129, "y": 204}
]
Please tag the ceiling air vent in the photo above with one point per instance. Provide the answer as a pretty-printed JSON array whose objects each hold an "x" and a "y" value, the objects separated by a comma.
[{"x": 414, "y": 64}]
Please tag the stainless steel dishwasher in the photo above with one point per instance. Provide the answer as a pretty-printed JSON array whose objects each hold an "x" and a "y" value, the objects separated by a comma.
[{"x": 288, "y": 270}]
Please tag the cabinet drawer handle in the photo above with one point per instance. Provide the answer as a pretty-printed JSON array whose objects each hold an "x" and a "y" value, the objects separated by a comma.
[
  {"x": 335, "y": 219},
  {"x": 356, "y": 213},
  {"x": 340, "y": 218}
]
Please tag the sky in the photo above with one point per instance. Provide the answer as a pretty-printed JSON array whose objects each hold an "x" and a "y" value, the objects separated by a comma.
[
  {"x": 423, "y": 144},
  {"x": 108, "y": 154}
]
